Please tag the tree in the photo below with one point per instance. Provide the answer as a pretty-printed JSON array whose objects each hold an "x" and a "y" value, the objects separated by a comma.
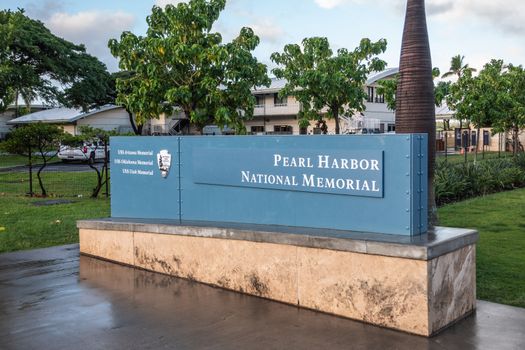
[
  {"x": 98, "y": 138},
  {"x": 318, "y": 79},
  {"x": 415, "y": 111},
  {"x": 36, "y": 137},
  {"x": 181, "y": 62},
  {"x": 34, "y": 62},
  {"x": 458, "y": 67},
  {"x": 513, "y": 119}
]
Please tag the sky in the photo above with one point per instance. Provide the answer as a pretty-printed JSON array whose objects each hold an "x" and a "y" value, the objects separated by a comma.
[{"x": 477, "y": 29}]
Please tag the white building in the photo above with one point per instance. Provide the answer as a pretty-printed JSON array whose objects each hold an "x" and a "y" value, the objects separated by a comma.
[
  {"x": 108, "y": 117},
  {"x": 10, "y": 113},
  {"x": 274, "y": 115}
]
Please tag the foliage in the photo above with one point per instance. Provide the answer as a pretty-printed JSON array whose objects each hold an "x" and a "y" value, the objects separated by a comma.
[
  {"x": 181, "y": 62},
  {"x": 99, "y": 138},
  {"x": 513, "y": 117},
  {"x": 35, "y": 137},
  {"x": 454, "y": 182},
  {"x": 318, "y": 79},
  {"x": 458, "y": 67},
  {"x": 34, "y": 62}
]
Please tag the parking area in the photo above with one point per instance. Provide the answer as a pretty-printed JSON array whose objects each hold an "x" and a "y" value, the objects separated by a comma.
[{"x": 55, "y": 299}]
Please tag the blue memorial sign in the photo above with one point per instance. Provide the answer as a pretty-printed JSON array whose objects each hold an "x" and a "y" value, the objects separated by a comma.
[{"x": 369, "y": 183}]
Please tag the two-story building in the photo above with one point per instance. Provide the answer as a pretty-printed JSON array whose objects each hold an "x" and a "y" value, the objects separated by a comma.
[{"x": 276, "y": 115}]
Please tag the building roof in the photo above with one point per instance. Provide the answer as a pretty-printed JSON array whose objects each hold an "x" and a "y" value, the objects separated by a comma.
[
  {"x": 444, "y": 111},
  {"x": 382, "y": 75},
  {"x": 277, "y": 84},
  {"x": 60, "y": 115}
]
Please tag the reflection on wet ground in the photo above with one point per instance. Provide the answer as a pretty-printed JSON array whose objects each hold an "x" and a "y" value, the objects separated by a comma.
[{"x": 54, "y": 299}]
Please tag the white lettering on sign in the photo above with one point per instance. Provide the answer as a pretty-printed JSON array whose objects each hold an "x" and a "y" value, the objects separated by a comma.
[
  {"x": 354, "y": 172},
  {"x": 326, "y": 162}
]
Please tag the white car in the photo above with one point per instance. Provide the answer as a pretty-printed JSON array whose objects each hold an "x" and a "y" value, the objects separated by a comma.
[{"x": 86, "y": 152}]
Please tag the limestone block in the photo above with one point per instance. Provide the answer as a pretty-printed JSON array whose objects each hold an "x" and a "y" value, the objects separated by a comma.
[
  {"x": 386, "y": 291},
  {"x": 262, "y": 269},
  {"x": 111, "y": 245},
  {"x": 452, "y": 290}
]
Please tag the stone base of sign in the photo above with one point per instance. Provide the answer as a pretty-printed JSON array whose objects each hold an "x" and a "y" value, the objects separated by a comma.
[{"x": 417, "y": 285}]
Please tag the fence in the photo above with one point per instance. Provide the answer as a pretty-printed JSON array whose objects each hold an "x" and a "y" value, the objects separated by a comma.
[{"x": 59, "y": 180}]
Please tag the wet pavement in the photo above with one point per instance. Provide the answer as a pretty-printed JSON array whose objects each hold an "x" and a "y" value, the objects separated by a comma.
[{"x": 54, "y": 299}]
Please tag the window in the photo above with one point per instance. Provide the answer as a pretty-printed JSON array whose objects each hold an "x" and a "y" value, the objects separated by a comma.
[
  {"x": 280, "y": 102},
  {"x": 257, "y": 129},
  {"x": 282, "y": 129},
  {"x": 259, "y": 100},
  {"x": 391, "y": 127},
  {"x": 370, "y": 94}
]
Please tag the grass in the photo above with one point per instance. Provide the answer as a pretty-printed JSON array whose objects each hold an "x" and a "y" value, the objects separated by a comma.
[
  {"x": 500, "y": 220},
  {"x": 26, "y": 226},
  {"x": 11, "y": 160}
]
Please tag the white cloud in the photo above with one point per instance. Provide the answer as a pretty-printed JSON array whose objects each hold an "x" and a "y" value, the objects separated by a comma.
[
  {"x": 93, "y": 29},
  {"x": 508, "y": 16},
  {"x": 163, "y": 3},
  {"x": 267, "y": 30},
  {"x": 330, "y": 4}
]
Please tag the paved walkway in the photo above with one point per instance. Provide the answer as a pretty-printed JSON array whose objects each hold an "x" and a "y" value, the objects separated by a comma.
[{"x": 54, "y": 299}]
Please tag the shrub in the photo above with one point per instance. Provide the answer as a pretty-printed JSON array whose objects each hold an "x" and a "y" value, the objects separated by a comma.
[{"x": 454, "y": 182}]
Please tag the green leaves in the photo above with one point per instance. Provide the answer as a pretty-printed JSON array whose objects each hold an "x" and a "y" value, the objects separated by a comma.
[
  {"x": 318, "y": 79},
  {"x": 181, "y": 63},
  {"x": 34, "y": 62}
]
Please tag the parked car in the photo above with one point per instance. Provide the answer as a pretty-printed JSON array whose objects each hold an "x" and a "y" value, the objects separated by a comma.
[{"x": 86, "y": 152}]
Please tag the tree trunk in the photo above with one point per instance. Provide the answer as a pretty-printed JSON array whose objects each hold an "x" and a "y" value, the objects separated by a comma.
[
  {"x": 415, "y": 111},
  {"x": 336, "y": 116},
  {"x": 42, "y": 188},
  {"x": 137, "y": 129},
  {"x": 30, "y": 159},
  {"x": 515, "y": 136}
]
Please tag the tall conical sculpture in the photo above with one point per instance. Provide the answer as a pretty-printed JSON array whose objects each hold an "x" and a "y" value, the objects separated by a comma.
[{"x": 415, "y": 111}]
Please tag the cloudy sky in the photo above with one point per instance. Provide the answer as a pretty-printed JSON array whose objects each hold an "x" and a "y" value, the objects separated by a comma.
[{"x": 478, "y": 29}]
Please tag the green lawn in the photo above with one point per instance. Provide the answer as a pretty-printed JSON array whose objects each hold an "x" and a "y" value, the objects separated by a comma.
[
  {"x": 500, "y": 219},
  {"x": 25, "y": 226},
  {"x": 10, "y": 160}
]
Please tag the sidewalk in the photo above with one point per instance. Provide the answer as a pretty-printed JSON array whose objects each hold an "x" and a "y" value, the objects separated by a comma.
[{"x": 54, "y": 299}]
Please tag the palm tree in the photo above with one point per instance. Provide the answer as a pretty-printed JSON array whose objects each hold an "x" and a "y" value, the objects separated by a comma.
[
  {"x": 457, "y": 67},
  {"x": 415, "y": 111}
]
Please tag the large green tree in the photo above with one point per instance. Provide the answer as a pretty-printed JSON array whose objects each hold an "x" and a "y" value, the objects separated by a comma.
[
  {"x": 181, "y": 62},
  {"x": 415, "y": 111},
  {"x": 485, "y": 97},
  {"x": 513, "y": 119},
  {"x": 320, "y": 79},
  {"x": 459, "y": 68},
  {"x": 34, "y": 62}
]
